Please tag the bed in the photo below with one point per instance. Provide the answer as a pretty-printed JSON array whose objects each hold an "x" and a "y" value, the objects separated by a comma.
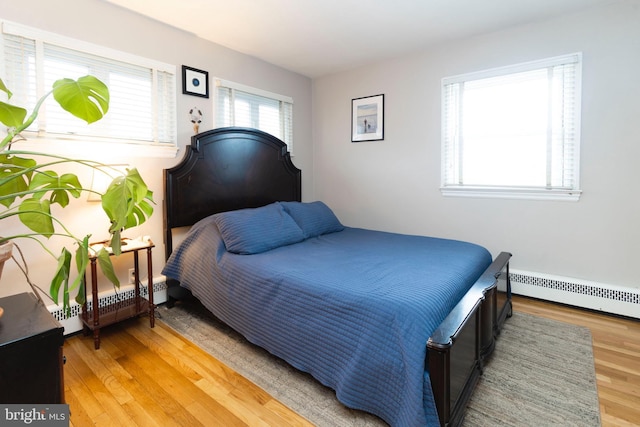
[{"x": 398, "y": 325}]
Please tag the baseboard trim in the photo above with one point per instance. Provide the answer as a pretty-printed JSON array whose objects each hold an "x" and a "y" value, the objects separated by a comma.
[
  {"x": 608, "y": 298},
  {"x": 73, "y": 323}
]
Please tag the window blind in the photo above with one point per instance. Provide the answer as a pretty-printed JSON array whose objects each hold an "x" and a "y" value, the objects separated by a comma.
[
  {"x": 142, "y": 92},
  {"x": 513, "y": 128},
  {"x": 239, "y": 105}
]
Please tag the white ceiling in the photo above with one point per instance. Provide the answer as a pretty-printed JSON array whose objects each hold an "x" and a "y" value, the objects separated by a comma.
[{"x": 319, "y": 37}]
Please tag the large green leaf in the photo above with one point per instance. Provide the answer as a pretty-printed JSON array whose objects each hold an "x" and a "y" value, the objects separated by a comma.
[
  {"x": 126, "y": 201},
  {"x": 60, "y": 186},
  {"x": 5, "y": 89},
  {"x": 61, "y": 278},
  {"x": 141, "y": 212},
  {"x": 104, "y": 260},
  {"x": 82, "y": 261},
  {"x": 36, "y": 215},
  {"x": 80, "y": 296},
  {"x": 15, "y": 174},
  {"x": 11, "y": 115},
  {"x": 87, "y": 98}
]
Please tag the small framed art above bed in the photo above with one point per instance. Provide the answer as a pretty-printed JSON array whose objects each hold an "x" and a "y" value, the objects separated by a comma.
[{"x": 398, "y": 325}]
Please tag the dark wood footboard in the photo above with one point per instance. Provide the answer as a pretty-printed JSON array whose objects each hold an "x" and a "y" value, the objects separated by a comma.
[{"x": 458, "y": 348}]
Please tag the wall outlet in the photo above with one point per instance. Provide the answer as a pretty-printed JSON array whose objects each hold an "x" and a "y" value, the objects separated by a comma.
[{"x": 132, "y": 276}]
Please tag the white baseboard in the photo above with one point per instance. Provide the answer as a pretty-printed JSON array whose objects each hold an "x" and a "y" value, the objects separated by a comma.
[
  {"x": 74, "y": 323},
  {"x": 613, "y": 299}
]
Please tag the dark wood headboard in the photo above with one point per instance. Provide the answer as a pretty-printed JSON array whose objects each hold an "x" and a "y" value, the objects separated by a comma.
[{"x": 227, "y": 169}]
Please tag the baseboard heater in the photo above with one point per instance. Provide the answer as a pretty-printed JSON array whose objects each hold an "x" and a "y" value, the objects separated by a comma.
[
  {"x": 612, "y": 299},
  {"x": 579, "y": 293},
  {"x": 73, "y": 323}
]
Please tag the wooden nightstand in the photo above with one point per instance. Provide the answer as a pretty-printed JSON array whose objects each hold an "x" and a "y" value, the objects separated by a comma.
[
  {"x": 99, "y": 317},
  {"x": 31, "y": 340}
]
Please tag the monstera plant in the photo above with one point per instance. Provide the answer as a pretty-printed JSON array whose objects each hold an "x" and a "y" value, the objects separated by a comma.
[{"x": 30, "y": 187}]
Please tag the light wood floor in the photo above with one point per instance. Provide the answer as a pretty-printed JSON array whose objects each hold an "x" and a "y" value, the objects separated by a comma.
[{"x": 154, "y": 377}]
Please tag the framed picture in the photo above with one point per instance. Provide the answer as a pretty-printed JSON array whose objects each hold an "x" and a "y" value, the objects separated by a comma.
[
  {"x": 367, "y": 118},
  {"x": 195, "y": 82}
]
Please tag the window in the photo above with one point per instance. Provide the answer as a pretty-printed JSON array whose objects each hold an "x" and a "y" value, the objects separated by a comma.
[
  {"x": 513, "y": 131},
  {"x": 239, "y": 105},
  {"x": 142, "y": 106}
]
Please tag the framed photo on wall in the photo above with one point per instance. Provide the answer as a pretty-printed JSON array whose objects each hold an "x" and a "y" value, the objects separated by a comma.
[
  {"x": 195, "y": 82},
  {"x": 367, "y": 118}
]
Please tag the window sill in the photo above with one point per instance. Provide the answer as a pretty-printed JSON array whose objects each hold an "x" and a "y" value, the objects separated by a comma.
[{"x": 512, "y": 193}]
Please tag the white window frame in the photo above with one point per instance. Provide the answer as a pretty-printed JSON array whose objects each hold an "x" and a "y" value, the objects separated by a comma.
[
  {"x": 87, "y": 146},
  {"x": 285, "y": 105},
  {"x": 452, "y": 183}
]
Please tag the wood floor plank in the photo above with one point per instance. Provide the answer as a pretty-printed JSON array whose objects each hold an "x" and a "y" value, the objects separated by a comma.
[
  {"x": 242, "y": 409},
  {"x": 168, "y": 411},
  {"x": 144, "y": 400},
  {"x": 178, "y": 352},
  {"x": 143, "y": 376},
  {"x": 195, "y": 357},
  {"x": 80, "y": 380},
  {"x": 103, "y": 368},
  {"x": 169, "y": 397},
  {"x": 141, "y": 414},
  {"x": 79, "y": 398},
  {"x": 181, "y": 381},
  {"x": 247, "y": 404}
]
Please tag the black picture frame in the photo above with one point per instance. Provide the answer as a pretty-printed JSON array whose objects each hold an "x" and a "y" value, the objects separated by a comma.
[
  {"x": 367, "y": 118},
  {"x": 195, "y": 82}
]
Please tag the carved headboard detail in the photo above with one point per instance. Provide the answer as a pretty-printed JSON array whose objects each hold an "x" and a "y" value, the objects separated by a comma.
[{"x": 226, "y": 169}]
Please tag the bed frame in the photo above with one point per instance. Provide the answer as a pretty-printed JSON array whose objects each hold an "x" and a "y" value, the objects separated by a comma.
[{"x": 233, "y": 168}]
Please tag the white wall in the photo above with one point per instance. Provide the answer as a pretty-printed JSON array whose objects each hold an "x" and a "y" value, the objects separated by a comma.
[
  {"x": 102, "y": 23},
  {"x": 394, "y": 184}
]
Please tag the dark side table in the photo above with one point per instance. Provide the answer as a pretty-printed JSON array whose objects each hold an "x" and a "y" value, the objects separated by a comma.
[
  {"x": 125, "y": 308},
  {"x": 31, "y": 359}
]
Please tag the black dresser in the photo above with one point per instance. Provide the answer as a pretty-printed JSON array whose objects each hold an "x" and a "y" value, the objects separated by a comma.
[{"x": 31, "y": 360}]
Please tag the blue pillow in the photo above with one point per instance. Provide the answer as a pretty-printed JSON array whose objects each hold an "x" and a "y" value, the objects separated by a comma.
[
  {"x": 252, "y": 231},
  {"x": 313, "y": 218}
]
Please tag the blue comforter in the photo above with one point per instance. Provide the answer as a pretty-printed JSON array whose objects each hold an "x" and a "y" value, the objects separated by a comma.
[{"x": 353, "y": 308}]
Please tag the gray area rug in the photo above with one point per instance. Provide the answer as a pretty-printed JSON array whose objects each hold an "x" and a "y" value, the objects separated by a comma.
[{"x": 542, "y": 374}]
